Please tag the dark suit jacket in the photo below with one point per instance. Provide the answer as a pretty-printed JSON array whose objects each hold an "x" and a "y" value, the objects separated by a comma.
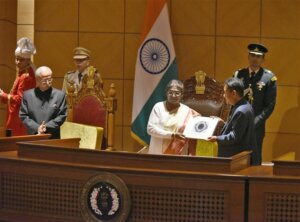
[
  {"x": 49, "y": 106},
  {"x": 238, "y": 133}
]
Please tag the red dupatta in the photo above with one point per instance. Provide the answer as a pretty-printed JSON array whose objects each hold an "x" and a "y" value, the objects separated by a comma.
[{"x": 176, "y": 145}]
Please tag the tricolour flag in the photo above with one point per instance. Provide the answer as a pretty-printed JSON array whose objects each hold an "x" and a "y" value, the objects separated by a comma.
[{"x": 155, "y": 67}]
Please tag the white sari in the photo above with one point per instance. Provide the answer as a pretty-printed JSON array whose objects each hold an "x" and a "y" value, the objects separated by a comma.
[{"x": 162, "y": 124}]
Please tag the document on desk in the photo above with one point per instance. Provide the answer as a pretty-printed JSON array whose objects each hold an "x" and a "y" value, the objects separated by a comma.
[{"x": 200, "y": 127}]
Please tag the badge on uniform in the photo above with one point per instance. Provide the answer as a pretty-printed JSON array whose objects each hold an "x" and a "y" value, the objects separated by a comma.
[{"x": 260, "y": 85}]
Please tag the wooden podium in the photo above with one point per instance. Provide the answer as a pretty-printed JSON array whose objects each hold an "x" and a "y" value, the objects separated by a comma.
[
  {"x": 45, "y": 181},
  {"x": 10, "y": 143},
  {"x": 274, "y": 192}
]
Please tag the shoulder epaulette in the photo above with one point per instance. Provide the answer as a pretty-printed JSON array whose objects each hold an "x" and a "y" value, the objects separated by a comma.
[
  {"x": 268, "y": 71},
  {"x": 70, "y": 72},
  {"x": 236, "y": 73},
  {"x": 274, "y": 78}
]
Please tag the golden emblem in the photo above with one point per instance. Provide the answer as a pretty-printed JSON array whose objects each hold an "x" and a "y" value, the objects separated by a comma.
[
  {"x": 200, "y": 78},
  {"x": 91, "y": 81}
]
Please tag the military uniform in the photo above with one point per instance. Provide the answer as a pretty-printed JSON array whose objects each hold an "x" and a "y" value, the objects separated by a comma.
[
  {"x": 260, "y": 91},
  {"x": 73, "y": 76},
  {"x": 76, "y": 77}
]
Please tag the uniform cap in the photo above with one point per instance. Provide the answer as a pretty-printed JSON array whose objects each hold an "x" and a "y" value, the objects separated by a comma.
[
  {"x": 81, "y": 53},
  {"x": 257, "y": 49},
  {"x": 25, "y": 48}
]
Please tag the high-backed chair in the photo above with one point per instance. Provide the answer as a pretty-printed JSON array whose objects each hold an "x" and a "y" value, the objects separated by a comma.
[
  {"x": 205, "y": 95},
  {"x": 91, "y": 106}
]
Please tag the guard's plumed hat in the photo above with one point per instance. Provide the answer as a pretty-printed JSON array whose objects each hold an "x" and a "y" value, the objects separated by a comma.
[
  {"x": 81, "y": 53},
  {"x": 25, "y": 48},
  {"x": 257, "y": 49}
]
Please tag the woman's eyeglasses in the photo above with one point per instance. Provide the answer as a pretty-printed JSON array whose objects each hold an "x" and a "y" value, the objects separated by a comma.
[{"x": 174, "y": 93}]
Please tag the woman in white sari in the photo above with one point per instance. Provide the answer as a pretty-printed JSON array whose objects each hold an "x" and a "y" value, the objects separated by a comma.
[{"x": 167, "y": 122}]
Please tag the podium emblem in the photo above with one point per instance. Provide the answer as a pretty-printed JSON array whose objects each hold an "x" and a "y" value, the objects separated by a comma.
[{"x": 105, "y": 198}]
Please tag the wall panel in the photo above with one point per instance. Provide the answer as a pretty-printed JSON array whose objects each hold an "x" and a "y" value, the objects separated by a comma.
[
  {"x": 209, "y": 35},
  {"x": 56, "y": 15},
  {"x": 8, "y": 33}
]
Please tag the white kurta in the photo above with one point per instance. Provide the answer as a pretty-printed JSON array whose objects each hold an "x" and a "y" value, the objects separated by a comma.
[{"x": 162, "y": 125}]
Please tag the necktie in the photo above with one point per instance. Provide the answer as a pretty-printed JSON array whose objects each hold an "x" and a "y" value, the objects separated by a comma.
[
  {"x": 252, "y": 75},
  {"x": 79, "y": 77}
]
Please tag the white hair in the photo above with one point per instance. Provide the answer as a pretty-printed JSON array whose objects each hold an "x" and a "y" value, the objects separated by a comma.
[{"x": 42, "y": 69}]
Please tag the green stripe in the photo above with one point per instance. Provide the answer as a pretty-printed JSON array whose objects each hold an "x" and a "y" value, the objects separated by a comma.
[{"x": 139, "y": 126}]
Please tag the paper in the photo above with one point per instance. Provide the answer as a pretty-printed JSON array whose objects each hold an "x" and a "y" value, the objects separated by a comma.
[{"x": 200, "y": 127}]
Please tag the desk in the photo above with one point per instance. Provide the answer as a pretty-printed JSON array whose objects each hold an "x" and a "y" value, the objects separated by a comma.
[
  {"x": 287, "y": 167},
  {"x": 2, "y": 132},
  {"x": 43, "y": 183},
  {"x": 272, "y": 197},
  {"x": 45, "y": 150},
  {"x": 9, "y": 143}
]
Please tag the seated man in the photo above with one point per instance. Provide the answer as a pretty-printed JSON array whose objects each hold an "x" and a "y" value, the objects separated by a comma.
[
  {"x": 167, "y": 122},
  {"x": 43, "y": 109},
  {"x": 82, "y": 62},
  {"x": 238, "y": 132}
]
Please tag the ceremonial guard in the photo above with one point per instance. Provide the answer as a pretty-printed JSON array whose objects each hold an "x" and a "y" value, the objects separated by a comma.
[
  {"x": 25, "y": 79},
  {"x": 260, "y": 90}
]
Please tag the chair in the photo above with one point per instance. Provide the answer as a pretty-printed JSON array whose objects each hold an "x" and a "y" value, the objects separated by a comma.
[
  {"x": 91, "y": 106},
  {"x": 90, "y": 136},
  {"x": 205, "y": 95}
]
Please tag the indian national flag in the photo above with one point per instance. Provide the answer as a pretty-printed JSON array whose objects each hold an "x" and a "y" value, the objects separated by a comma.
[{"x": 155, "y": 67}]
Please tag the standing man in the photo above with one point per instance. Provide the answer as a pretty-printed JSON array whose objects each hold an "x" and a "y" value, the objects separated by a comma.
[
  {"x": 260, "y": 90},
  {"x": 25, "y": 80},
  {"x": 44, "y": 108},
  {"x": 82, "y": 63},
  {"x": 238, "y": 133}
]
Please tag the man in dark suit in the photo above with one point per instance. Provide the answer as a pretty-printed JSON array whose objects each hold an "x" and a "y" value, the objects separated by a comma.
[
  {"x": 44, "y": 109},
  {"x": 238, "y": 133},
  {"x": 260, "y": 90}
]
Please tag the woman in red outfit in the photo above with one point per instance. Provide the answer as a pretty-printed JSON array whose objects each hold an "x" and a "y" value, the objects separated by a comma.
[{"x": 25, "y": 79}]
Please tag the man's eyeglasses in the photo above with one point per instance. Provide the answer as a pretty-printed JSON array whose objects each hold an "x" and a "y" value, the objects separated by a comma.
[{"x": 48, "y": 80}]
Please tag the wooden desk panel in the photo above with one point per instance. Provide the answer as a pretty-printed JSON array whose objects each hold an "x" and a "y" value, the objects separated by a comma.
[
  {"x": 274, "y": 199},
  {"x": 10, "y": 143},
  {"x": 51, "y": 150},
  {"x": 2, "y": 132},
  {"x": 286, "y": 167},
  {"x": 41, "y": 190}
]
